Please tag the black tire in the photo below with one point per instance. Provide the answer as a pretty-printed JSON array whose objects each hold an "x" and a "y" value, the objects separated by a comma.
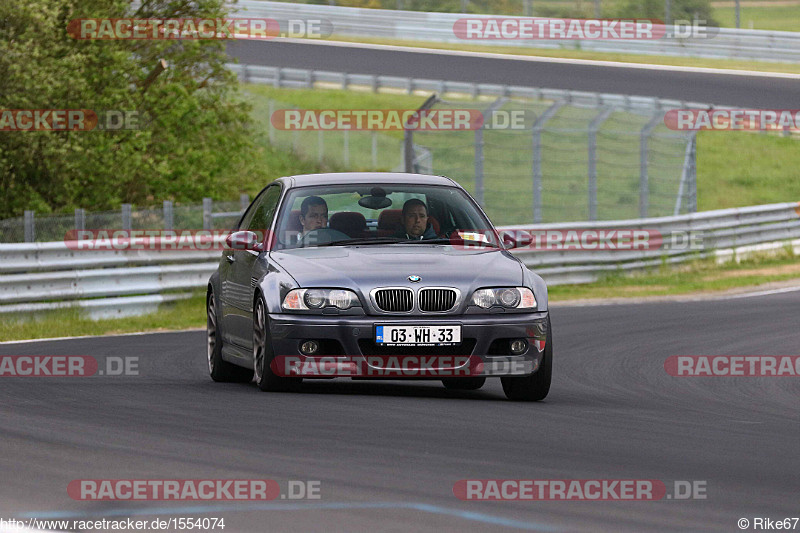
[
  {"x": 263, "y": 355},
  {"x": 473, "y": 383},
  {"x": 219, "y": 369},
  {"x": 536, "y": 386}
]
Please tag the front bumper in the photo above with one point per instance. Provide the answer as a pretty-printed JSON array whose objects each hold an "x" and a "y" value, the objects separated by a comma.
[{"x": 351, "y": 339}]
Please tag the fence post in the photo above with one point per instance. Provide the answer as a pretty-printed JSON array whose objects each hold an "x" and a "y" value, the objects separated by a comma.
[
  {"x": 594, "y": 125},
  {"x": 685, "y": 185},
  {"x": 277, "y": 80},
  {"x": 479, "y": 145},
  {"x": 30, "y": 226},
  {"x": 408, "y": 136},
  {"x": 346, "y": 147},
  {"x": 479, "y": 165},
  {"x": 127, "y": 223},
  {"x": 207, "y": 206},
  {"x": 693, "y": 175},
  {"x": 270, "y": 127},
  {"x": 374, "y": 135},
  {"x": 644, "y": 178},
  {"x": 244, "y": 200},
  {"x": 538, "y": 127},
  {"x": 168, "y": 215},
  {"x": 80, "y": 219}
]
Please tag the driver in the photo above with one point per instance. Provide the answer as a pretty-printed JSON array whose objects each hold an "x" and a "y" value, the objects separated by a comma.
[
  {"x": 415, "y": 222},
  {"x": 313, "y": 214}
]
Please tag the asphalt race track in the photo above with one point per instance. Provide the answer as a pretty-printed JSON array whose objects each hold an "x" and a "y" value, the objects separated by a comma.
[
  {"x": 704, "y": 87},
  {"x": 387, "y": 454}
]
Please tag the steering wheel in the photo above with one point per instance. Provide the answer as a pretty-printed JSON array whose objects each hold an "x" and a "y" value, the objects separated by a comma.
[{"x": 322, "y": 236}]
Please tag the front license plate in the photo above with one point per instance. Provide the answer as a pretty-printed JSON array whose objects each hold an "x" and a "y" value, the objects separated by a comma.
[{"x": 418, "y": 335}]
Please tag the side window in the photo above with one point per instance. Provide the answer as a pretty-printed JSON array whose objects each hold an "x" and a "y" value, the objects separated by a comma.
[{"x": 262, "y": 212}]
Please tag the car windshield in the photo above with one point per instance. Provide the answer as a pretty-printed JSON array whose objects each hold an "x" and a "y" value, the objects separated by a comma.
[{"x": 365, "y": 214}]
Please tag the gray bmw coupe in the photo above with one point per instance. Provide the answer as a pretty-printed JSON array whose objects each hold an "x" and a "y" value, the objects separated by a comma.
[{"x": 375, "y": 276}]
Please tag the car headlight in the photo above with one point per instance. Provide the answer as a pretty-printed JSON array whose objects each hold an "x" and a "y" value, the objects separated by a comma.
[
  {"x": 508, "y": 297},
  {"x": 310, "y": 299}
]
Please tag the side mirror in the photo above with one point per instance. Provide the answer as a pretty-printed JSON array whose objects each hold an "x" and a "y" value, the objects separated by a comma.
[
  {"x": 516, "y": 239},
  {"x": 243, "y": 240}
]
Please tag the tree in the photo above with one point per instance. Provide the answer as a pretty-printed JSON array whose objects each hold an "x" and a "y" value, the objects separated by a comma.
[{"x": 195, "y": 135}]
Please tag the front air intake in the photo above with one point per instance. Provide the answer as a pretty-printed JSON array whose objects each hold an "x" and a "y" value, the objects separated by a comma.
[
  {"x": 394, "y": 300},
  {"x": 437, "y": 300}
]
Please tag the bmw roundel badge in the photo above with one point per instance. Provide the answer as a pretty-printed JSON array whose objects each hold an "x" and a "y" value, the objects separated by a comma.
[{"x": 414, "y": 278}]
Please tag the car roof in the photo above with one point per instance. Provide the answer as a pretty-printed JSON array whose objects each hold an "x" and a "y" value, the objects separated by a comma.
[{"x": 345, "y": 178}]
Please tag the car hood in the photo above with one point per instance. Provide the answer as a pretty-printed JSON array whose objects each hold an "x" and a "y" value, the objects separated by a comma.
[{"x": 366, "y": 267}]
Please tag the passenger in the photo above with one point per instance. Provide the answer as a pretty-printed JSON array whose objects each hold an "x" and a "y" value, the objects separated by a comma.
[{"x": 415, "y": 222}]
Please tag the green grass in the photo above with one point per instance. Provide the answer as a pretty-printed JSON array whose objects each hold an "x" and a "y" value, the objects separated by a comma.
[
  {"x": 181, "y": 314},
  {"x": 700, "y": 276},
  {"x": 736, "y": 169},
  {"x": 781, "y": 18}
]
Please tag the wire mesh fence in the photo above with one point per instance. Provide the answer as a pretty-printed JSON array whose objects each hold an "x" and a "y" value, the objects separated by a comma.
[
  {"x": 351, "y": 149},
  {"x": 566, "y": 163},
  {"x": 210, "y": 215}
]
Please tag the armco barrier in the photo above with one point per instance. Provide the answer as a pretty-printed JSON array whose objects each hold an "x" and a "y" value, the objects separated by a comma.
[
  {"x": 295, "y": 78},
  {"x": 726, "y": 43},
  {"x": 43, "y": 276}
]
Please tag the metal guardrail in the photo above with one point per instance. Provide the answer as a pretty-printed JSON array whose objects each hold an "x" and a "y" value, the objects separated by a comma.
[
  {"x": 44, "y": 276},
  {"x": 726, "y": 43},
  {"x": 304, "y": 78}
]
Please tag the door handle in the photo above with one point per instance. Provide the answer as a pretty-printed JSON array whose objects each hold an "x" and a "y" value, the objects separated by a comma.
[{"x": 230, "y": 258}]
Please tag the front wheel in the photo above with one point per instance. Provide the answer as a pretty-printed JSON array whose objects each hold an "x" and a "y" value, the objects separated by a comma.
[
  {"x": 218, "y": 368},
  {"x": 536, "y": 386},
  {"x": 263, "y": 355}
]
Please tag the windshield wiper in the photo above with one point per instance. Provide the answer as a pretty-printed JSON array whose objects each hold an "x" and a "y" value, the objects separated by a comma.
[
  {"x": 380, "y": 240},
  {"x": 465, "y": 243}
]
